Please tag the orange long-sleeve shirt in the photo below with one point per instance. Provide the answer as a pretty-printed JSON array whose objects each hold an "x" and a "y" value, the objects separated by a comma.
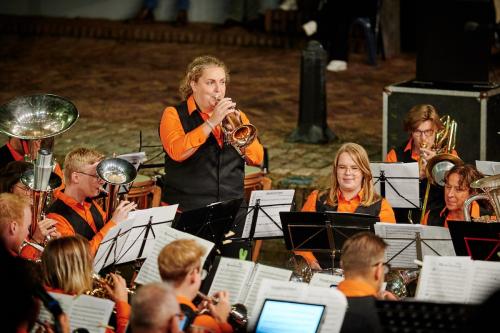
[
  {"x": 65, "y": 227},
  {"x": 475, "y": 213},
  {"x": 344, "y": 206},
  {"x": 176, "y": 142},
  {"x": 205, "y": 321}
]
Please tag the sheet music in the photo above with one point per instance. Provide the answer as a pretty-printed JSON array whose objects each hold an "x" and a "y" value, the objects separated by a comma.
[
  {"x": 83, "y": 311},
  {"x": 132, "y": 246},
  {"x": 232, "y": 275},
  {"x": 149, "y": 271},
  {"x": 335, "y": 301},
  {"x": 134, "y": 158},
  {"x": 407, "y": 186},
  {"x": 405, "y": 231},
  {"x": 443, "y": 247},
  {"x": 265, "y": 226},
  {"x": 445, "y": 279},
  {"x": 488, "y": 168},
  {"x": 325, "y": 280},
  {"x": 485, "y": 280},
  {"x": 260, "y": 273},
  {"x": 101, "y": 258}
]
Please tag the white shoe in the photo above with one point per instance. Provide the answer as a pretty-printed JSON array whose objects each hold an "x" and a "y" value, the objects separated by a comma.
[
  {"x": 337, "y": 66},
  {"x": 289, "y": 5},
  {"x": 310, "y": 27}
]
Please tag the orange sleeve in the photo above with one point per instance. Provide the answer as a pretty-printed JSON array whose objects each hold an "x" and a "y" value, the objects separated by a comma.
[
  {"x": 386, "y": 212},
  {"x": 391, "y": 156},
  {"x": 175, "y": 141},
  {"x": 426, "y": 218},
  {"x": 122, "y": 316},
  {"x": 210, "y": 324},
  {"x": 309, "y": 206},
  {"x": 255, "y": 151}
]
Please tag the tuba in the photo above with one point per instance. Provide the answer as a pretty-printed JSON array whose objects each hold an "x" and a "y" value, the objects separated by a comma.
[
  {"x": 443, "y": 161},
  {"x": 236, "y": 133},
  {"x": 491, "y": 192},
  {"x": 36, "y": 120},
  {"x": 115, "y": 172}
]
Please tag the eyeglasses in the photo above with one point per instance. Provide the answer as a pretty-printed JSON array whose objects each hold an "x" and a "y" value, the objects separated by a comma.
[
  {"x": 425, "y": 133},
  {"x": 387, "y": 266},
  {"x": 345, "y": 168},
  {"x": 88, "y": 174}
]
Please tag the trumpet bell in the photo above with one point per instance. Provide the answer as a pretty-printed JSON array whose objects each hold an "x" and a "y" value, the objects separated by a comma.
[
  {"x": 438, "y": 166},
  {"x": 116, "y": 171},
  {"x": 37, "y": 116}
]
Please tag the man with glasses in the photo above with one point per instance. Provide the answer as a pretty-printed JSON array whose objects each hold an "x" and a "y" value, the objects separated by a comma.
[
  {"x": 179, "y": 264},
  {"x": 74, "y": 209},
  {"x": 362, "y": 259}
]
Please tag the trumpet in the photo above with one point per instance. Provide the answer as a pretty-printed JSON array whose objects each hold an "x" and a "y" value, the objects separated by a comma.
[{"x": 238, "y": 316}]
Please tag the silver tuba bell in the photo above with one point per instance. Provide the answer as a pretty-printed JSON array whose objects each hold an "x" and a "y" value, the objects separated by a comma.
[
  {"x": 491, "y": 191},
  {"x": 115, "y": 172}
]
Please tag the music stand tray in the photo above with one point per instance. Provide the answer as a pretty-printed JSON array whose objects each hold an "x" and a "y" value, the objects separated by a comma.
[
  {"x": 480, "y": 241},
  {"x": 210, "y": 222},
  {"x": 323, "y": 231}
]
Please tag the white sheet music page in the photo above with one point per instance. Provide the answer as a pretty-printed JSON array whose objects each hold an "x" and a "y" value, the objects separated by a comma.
[
  {"x": 432, "y": 236},
  {"x": 272, "y": 202},
  {"x": 132, "y": 246},
  {"x": 445, "y": 279},
  {"x": 149, "y": 271},
  {"x": 335, "y": 301},
  {"x": 232, "y": 275},
  {"x": 325, "y": 280},
  {"x": 65, "y": 301},
  {"x": 485, "y": 280},
  {"x": 488, "y": 168},
  {"x": 104, "y": 257},
  {"x": 260, "y": 273},
  {"x": 399, "y": 236},
  {"x": 402, "y": 183}
]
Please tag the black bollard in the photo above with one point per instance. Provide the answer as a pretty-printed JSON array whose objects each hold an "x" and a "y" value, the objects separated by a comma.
[{"x": 312, "y": 126}]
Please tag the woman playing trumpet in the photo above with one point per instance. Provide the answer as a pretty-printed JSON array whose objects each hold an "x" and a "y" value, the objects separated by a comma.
[{"x": 200, "y": 167}]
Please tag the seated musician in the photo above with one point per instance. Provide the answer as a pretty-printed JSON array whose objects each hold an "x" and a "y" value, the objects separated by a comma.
[
  {"x": 456, "y": 190},
  {"x": 155, "y": 310},
  {"x": 364, "y": 268},
  {"x": 67, "y": 269},
  {"x": 74, "y": 209},
  {"x": 179, "y": 264},
  {"x": 15, "y": 220},
  {"x": 10, "y": 182},
  {"x": 351, "y": 191},
  {"x": 422, "y": 123}
]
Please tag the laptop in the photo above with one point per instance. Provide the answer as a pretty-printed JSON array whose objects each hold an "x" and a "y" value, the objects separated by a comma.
[{"x": 287, "y": 316}]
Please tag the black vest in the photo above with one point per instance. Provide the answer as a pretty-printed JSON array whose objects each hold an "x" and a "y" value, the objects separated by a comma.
[
  {"x": 436, "y": 219},
  {"x": 373, "y": 209},
  {"x": 80, "y": 226},
  {"x": 5, "y": 156},
  {"x": 402, "y": 155},
  {"x": 211, "y": 174}
]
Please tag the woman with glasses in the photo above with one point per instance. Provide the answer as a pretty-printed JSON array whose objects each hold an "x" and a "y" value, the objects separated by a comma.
[
  {"x": 351, "y": 191},
  {"x": 179, "y": 264},
  {"x": 10, "y": 182},
  {"x": 74, "y": 209}
]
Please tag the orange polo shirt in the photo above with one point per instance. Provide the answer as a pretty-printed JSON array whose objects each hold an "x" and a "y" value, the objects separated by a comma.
[
  {"x": 205, "y": 321},
  {"x": 356, "y": 288},
  {"x": 176, "y": 142},
  {"x": 344, "y": 206},
  {"x": 122, "y": 312},
  {"x": 65, "y": 227},
  {"x": 474, "y": 213}
]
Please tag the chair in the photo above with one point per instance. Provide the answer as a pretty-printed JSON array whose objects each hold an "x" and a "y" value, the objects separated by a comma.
[{"x": 145, "y": 192}]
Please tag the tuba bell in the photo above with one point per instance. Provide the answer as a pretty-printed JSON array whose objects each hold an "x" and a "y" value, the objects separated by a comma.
[
  {"x": 491, "y": 191},
  {"x": 115, "y": 172}
]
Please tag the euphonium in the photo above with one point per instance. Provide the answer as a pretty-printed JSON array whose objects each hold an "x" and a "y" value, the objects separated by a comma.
[
  {"x": 491, "y": 192},
  {"x": 238, "y": 316},
  {"x": 398, "y": 281},
  {"x": 115, "y": 172},
  {"x": 236, "y": 133}
]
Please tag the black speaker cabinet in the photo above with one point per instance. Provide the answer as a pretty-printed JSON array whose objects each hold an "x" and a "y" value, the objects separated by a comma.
[{"x": 475, "y": 108}]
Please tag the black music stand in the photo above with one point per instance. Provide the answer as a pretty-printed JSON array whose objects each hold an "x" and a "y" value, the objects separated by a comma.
[
  {"x": 480, "y": 241},
  {"x": 211, "y": 222},
  {"x": 323, "y": 232},
  {"x": 424, "y": 317}
]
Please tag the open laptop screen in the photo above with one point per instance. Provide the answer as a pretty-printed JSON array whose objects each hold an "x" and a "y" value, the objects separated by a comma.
[{"x": 287, "y": 316}]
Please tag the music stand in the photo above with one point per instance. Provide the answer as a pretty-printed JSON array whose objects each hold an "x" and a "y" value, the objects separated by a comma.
[
  {"x": 323, "y": 232},
  {"x": 211, "y": 222},
  {"x": 480, "y": 241}
]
